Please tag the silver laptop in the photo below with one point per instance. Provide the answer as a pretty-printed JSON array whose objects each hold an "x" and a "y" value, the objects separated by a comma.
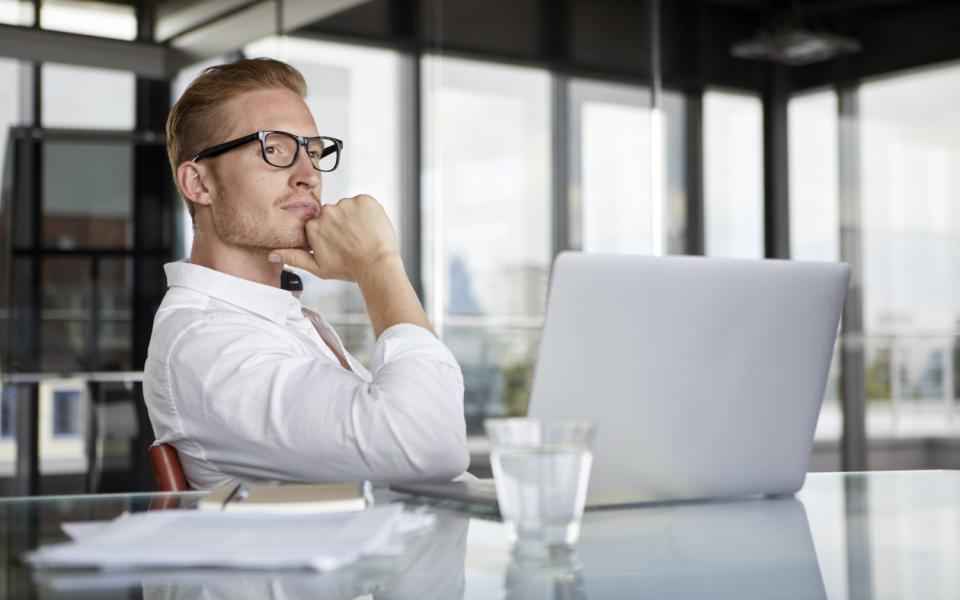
[{"x": 704, "y": 375}]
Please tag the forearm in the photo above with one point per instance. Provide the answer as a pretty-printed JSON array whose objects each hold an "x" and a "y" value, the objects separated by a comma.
[{"x": 389, "y": 296}]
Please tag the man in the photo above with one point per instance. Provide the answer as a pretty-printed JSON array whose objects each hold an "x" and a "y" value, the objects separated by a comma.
[{"x": 242, "y": 380}]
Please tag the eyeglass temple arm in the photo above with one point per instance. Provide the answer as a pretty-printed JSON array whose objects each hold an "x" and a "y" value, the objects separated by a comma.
[
  {"x": 337, "y": 145},
  {"x": 221, "y": 148}
]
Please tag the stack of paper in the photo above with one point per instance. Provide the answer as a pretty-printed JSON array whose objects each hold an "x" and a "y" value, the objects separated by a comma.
[{"x": 185, "y": 538}]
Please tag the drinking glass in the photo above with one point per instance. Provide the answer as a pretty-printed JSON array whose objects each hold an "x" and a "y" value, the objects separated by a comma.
[{"x": 541, "y": 469}]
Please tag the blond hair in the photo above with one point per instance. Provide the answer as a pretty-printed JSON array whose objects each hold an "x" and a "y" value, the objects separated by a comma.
[{"x": 195, "y": 121}]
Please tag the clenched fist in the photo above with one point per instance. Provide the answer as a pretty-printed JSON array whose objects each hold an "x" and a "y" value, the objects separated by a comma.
[
  {"x": 347, "y": 239},
  {"x": 353, "y": 240}
]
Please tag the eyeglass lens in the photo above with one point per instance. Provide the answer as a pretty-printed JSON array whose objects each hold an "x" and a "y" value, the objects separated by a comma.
[{"x": 280, "y": 150}]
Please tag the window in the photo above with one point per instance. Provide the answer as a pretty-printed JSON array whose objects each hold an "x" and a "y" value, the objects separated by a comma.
[
  {"x": 910, "y": 223},
  {"x": 16, "y": 12},
  {"x": 87, "y": 97},
  {"x": 87, "y": 194},
  {"x": 733, "y": 174},
  {"x": 814, "y": 180},
  {"x": 610, "y": 166},
  {"x": 104, "y": 19},
  {"x": 62, "y": 415},
  {"x": 114, "y": 326},
  {"x": 10, "y": 116},
  {"x": 610, "y": 169},
  {"x": 10, "y": 76},
  {"x": 8, "y": 412},
  {"x": 487, "y": 222},
  {"x": 675, "y": 171},
  {"x": 8, "y": 430},
  {"x": 65, "y": 323},
  {"x": 67, "y": 415},
  {"x": 815, "y": 211}
]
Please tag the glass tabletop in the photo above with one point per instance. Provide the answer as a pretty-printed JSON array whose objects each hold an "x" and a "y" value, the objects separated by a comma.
[{"x": 860, "y": 535}]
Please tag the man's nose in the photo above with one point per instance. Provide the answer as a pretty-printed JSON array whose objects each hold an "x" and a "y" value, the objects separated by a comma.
[{"x": 304, "y": 175}]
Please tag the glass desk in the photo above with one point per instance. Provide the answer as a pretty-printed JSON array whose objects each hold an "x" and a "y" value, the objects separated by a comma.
[{"x": 859, "y": 535}]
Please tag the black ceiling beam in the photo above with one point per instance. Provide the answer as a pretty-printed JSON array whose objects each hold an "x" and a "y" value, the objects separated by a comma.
[
  {"x": 608, "y": 39},
  {"x": 696, "y": 41}
]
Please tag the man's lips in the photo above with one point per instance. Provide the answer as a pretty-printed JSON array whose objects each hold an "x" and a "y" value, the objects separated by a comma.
[{"x": 305, "y": 209}]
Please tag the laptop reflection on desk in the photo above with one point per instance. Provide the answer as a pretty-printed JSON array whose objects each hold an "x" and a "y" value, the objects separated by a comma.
[{"x": 756, "y": 548}]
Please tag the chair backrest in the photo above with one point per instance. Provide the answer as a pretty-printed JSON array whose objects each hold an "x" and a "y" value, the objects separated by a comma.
[{"x": 167, "y": 468}]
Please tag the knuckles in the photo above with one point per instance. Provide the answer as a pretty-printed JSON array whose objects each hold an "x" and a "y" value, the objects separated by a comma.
[
  {"x": 360, "y": 200},
  {"x": 345, "y": 209}
]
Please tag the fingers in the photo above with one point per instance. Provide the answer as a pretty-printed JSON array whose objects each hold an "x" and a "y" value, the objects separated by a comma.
[
  {"x": 345, "y": 237},
  {"x": 295, "y": 257}
]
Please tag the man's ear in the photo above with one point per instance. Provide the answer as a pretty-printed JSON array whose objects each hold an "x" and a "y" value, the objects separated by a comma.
[{"x": 193, "y": 180}]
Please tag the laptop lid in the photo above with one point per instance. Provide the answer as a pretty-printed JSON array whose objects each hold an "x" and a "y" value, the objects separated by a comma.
[{"x": 704, "y": 376}]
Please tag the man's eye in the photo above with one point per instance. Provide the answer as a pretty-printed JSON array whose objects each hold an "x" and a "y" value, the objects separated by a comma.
[
  {"x": 274, "y": 150},
  {"x": 313, "y": 153}
]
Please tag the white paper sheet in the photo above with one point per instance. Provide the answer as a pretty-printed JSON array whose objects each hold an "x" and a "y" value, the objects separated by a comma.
[{"x": 185, "y": 538}]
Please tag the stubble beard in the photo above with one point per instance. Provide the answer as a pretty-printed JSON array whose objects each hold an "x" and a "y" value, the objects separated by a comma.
[{"x": 248, "y": 227}]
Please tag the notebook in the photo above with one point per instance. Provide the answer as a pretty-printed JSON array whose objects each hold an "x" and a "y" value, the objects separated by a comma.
[{"x": 286, "y": 498}]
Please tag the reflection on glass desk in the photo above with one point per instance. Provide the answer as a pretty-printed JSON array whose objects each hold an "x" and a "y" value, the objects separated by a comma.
[{"x": 862, "y": 535}]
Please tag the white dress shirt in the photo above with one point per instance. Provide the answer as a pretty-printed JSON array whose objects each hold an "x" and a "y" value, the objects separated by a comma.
[{"x": 238, "y": 380}]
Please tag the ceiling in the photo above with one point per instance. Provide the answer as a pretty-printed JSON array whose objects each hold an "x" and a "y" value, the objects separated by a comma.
[{"x": 599, "y": 38}]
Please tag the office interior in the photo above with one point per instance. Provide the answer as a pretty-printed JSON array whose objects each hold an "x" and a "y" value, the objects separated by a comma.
[{"x": 496, "y": 134}]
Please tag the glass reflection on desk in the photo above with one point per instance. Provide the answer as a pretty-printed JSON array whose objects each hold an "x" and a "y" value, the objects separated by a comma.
[
  {"x": 845, "y": 536},
  {"x": 556, "y": 576}
]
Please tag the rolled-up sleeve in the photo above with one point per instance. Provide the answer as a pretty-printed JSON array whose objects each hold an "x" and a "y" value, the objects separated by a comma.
[{"x": 254, "y": 406}]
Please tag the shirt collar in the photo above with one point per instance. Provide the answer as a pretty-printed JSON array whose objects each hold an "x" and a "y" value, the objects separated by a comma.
[{"x": 267, "y": 301}]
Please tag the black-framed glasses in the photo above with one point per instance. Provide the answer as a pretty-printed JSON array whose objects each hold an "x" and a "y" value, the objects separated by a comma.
[{"x": 281, "y": 149}]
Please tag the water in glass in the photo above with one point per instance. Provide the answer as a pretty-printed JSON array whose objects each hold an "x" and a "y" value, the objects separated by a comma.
[{"x": 541, "y": 491}]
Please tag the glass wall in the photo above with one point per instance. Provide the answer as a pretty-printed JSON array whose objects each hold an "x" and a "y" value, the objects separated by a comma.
[
  {"x": 487, "y": 222},
  {"x": 610, "y": 149},
  {"x": 814, "y": 182},
  {"x": 74, "y": 244},
  {"x": 87, "y": 97},
  {"x": 512, "y": 153},
  {"x": 813, "y": 134},
  {"x": 11, "y": 115},
  {"x": 733, "y": 174},
  {"x": 83, "y": 208},
  {"x": 611, "y": 169},
  {"x": 103, "y": 19},
  {"x": 910, "y": 174},
  {"x": 16, "y": 12}
]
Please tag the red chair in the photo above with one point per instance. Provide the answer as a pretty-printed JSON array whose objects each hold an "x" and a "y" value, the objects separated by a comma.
[{"x": 167, "y": 468}]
